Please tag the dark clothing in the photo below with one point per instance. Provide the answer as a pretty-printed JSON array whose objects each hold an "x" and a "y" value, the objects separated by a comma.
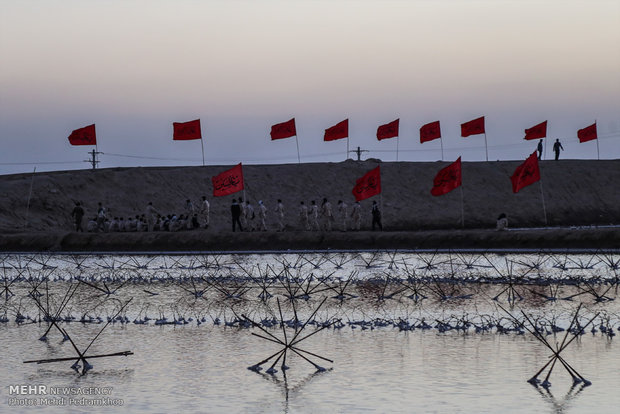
[
  {"x": 235, "y": 211},
  {"x": 376, "y": 217},
  {"x": 78, "y": 213},
  {"x": 540, "y": 150},
  {"x": 556, "y": 148}
]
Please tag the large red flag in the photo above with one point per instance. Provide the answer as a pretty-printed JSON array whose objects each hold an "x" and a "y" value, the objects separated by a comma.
[
  {"x": 388, "y": 130},
  {"x": 368, "y": 186},
  {"x": 447, "y": 179},
  {"x": 537, "y": 131},
  {"x": 84, "y": 136},
  {"x": 228, "y": 182},
  {"x": 284, "y": 130},
  {"x": 588, "y": 133},
  {"x": 338, "y": 131},
  {"x": 430, "y": 132},
  {"x": 183, "y": 131},
  {"x": 473, "y": 127},
  {"x": 526, "y": 173}
]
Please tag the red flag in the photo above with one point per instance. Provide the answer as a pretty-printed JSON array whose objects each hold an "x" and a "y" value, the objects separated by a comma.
[
  {"x": 430, "y": 132},
  {"x": 183, "y": 131},
  {"x": 228, "y": 182},
  {"x": 284, "y": 130},
  {"x": 537, "y": 131},
  {"x": 588, "y": 133},
  {"x": 526, "y": 173},
  {"x": 447, "y": 179},
  {"x": 338, "y": 131},
  {"x": 84, "y": 136},
  {"x": 368, "y": 186},
  {"x": 473, "y": 127},
  {"x": 388, "y": 130}
]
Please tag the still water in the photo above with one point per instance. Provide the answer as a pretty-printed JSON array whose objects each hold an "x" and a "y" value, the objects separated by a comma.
[{"x": 377, "y": 367}]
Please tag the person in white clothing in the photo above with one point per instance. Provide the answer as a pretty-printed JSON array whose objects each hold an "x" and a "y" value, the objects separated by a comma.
[
  {"x": 356, "y": 215},
  {"x": 204, "y": 211},
  {"x": 314, "y": 216},
  {"x": 280, "y": 214},
  {"x": 326, "y": 213},
  {"x": 342, "y": 209},
  {"x": 303, "y": 216},
  {"x": 262, "y": 215}
]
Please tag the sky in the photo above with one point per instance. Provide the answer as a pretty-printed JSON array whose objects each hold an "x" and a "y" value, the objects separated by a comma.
[{"x": 133, "y": 67}]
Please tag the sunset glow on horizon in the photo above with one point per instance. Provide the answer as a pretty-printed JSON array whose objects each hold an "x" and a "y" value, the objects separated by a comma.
[{"x": 134, "y": 67}]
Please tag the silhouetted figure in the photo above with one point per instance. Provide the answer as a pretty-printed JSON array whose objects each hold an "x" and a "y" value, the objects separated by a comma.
[
  {"x": 540, "y": 149},
  {"x": 78, "y": 214},
  {"x": 557, "y": 146},
  {"x": 376, "y": 216},
  {"x": 235, "y": 211}
]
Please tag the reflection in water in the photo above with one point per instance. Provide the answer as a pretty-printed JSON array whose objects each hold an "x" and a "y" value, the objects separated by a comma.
[{"x": 405, "y": 331}]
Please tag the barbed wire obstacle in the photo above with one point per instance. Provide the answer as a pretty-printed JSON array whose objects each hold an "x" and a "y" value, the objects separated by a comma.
[
  {"x": 81, "y": 355},
  {"x": 289, "y": 345},
  {"x": 575, "y": 329}
]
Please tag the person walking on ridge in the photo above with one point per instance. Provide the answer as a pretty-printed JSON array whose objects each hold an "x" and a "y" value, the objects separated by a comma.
[{"x": 557, "y": 146}]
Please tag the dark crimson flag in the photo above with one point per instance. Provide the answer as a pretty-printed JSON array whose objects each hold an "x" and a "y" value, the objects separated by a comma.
[
  {"x": 338, "y": 131},
  {"x": 228, "y": 182},
  {"x": 388, "y": 130},
  {"x": 368, "y": 186},
  {"x": 183, "y": 131},
  {"x": 284, "y": 130},
  {"x": 526, "y": 173},
  {"x": 447, "y": 179},
  {"x": 588, "y": 133},
  {"x": 84, "y": 136},
  {"x": 473, "y": 127},
  {"x": 537, "y": 131},
  {"x": 430, "y": 132}
]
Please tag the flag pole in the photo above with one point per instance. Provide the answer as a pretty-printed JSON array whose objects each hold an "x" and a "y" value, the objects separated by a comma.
[
  {"x": 203, "y": 151},
  {"x": 462, "y": 208},
  {"x": 598, "y": 154},
  {"x": 542, "y": 196},
  {"x": 397, "y": 141},
  {"x": 346, "y": 156},
  {"x": 381, "y": 212},
  {"x": 297, "y": 142},
  {"x": 486, "y": 148},
  {"x": 29, "y": 196},
  {"x": 441, "y": 143}
]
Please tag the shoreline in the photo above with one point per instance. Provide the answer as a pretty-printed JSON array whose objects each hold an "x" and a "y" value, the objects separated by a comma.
[{"x": 201, "y": 241}]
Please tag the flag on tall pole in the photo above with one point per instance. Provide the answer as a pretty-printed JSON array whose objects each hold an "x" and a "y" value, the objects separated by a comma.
[
  {"x": 588, "y": 133},
  {"x": 83, "y": 136},
  {"x": 228, "y": 182},
  {"x": 447, "y": 179},
  {"x": 475, "y": 127},
  {"x": 526, "y": 173},
  {"x": 286, "y": 130},
  {"x": 431, "y": 132},
  {"x": 367, "y": 186},
  {"x": 536, "y": 132},
  {"x": 187, "y": 131}
]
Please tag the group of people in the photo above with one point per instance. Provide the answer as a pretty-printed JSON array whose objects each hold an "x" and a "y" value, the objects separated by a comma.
[
  {"x": 245, "y": 217},
  {"x": 309, "y": 217},
  {"x": 150, "y": 220},
  {"x": 557, "y": 147}
]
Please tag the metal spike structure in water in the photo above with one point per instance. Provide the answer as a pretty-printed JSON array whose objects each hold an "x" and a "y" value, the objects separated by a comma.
[
  {"x": 557, "y": 350},
  {"x": 289, "y": 344}
]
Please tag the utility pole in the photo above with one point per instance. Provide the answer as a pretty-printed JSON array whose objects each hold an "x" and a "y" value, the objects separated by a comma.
[
  {"x": 93, "y": 161},
  {"x": 359, "y": 151}
]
